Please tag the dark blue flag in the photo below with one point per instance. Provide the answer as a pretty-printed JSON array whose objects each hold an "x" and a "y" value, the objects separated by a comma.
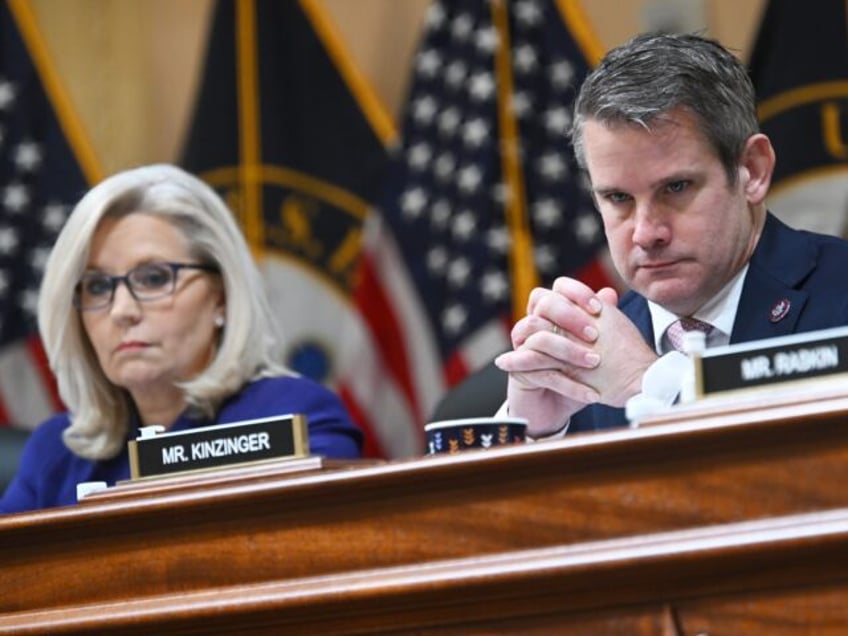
[
  {"x": 799, "y": 67},
  {"x": 46, "y": 165},
  {"x": 288, "y": 131},
  {"x": 484, "y": 199}
]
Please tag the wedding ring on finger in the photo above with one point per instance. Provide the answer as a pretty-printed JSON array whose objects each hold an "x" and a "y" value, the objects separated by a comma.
[{"x": 557, "y": 331}]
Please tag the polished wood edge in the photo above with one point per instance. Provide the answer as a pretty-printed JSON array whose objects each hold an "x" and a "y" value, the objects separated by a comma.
[
  {"x": 242, "y": 473},
  {"x": 588, "y": 457},
  {"x": 669, "y": 567}
]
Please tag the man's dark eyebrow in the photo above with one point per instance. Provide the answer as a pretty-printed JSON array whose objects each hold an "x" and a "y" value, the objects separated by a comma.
[
  {"x": 661, "y": 183},
  {"x": 605, "y": 191}
]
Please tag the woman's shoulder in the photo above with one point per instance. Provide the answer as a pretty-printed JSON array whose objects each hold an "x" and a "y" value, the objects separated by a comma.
[
  {"x": 292, "y": 384},
  {"x": 279, "y": 394},
  {"x": 45, "y": 446},
  {"x": 49, "y": 432},
  {"x": 331, "y": 431}
]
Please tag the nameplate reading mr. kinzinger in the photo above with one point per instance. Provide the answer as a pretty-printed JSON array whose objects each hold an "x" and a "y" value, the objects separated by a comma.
[
  {"x": 220, "y": 445},
  {"x": 771, "y": 361}
]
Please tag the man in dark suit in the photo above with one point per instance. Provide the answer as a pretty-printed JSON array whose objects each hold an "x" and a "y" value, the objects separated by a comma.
[{"x": 666, "y": 128}]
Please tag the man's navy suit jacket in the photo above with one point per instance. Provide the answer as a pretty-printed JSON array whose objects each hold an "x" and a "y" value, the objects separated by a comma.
[{"x": 807, "y": 270}]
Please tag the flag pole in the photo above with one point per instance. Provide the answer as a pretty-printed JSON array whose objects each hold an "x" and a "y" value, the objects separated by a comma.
[
  {"x": 250, "y": 159},
  {"x": 523, "y": 272}
]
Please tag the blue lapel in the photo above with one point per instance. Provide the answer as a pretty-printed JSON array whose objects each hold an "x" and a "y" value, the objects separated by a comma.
[
  {"x": 782, "y": 259},
  {"x": 635, "y": 307}
]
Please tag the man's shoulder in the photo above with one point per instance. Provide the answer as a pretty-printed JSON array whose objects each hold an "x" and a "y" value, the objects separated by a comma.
[
  {"x": 799, "y": 258},
  {"x": 776, "y": 234},
  {"x": 828, "y": 254},
  {"x": 835, "y": 246}
]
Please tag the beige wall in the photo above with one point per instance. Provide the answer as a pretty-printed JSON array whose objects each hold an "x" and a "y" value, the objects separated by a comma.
[{"x": 131, "y": 66}]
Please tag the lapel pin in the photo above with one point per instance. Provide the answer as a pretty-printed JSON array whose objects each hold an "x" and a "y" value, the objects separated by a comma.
[{"x": 779, "y": 311}]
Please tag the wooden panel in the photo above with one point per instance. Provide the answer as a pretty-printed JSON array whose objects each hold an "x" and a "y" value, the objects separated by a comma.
[
  {"x": 819, "y": 610},
  {"x": 747, "y": 578},
  {"x": 722, "y": 463}
]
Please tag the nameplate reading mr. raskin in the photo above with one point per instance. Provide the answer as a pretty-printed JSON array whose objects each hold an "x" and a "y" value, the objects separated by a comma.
[
  {"x": 219, "y": 445},
  {"x": 773, "y": 360}
]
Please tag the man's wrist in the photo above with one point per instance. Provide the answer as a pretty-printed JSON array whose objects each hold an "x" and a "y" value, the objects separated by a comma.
[
  {"x": 558, "y": 433},
  {"x": 503, "y": 411}
]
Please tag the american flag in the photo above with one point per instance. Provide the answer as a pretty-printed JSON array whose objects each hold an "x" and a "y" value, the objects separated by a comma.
[
  {"x": 483, "y": 201},
  {"x": 42, "y": 150}
]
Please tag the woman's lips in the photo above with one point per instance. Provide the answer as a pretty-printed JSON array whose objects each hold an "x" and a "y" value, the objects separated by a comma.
[{"x": 132, "y": 345}]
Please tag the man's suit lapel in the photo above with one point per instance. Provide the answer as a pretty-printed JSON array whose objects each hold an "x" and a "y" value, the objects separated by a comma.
[
  {"x": 770, "y": 304},
  {"x": 635, "y": 307}
]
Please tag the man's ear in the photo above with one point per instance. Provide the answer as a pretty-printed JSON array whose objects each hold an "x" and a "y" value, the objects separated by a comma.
[{"x": 756, "y": 167}]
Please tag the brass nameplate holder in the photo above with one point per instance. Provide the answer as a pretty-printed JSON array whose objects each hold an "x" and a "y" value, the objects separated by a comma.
[
  {"x": 210, "y": 447},
  {"x": 771, "y": 361}
]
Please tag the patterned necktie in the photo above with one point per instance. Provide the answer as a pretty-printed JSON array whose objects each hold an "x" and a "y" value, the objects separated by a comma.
[{"x": 677, "y": 330}]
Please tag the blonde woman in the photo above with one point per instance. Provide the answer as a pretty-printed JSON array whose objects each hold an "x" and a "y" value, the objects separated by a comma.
[{"x": 153, "y": 312}]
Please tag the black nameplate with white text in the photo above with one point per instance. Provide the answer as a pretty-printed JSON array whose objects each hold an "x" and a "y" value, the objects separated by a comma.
[
  {"x": 219, "y": 445},
  {"x": 771, "y": 361}
]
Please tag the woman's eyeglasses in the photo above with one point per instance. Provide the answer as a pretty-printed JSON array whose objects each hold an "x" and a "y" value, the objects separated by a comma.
[{"x": 149, "y": 281}]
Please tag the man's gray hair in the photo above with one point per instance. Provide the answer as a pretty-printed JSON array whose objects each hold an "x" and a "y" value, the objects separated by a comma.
[{"x": 641, "y": 81}]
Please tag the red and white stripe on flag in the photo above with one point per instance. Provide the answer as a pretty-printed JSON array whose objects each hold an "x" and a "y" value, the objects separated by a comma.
[
  {"x": 396, "y": 375},
  {"x": 28, "y": 393}
]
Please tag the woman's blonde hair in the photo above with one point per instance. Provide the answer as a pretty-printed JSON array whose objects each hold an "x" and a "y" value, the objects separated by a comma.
[{"x": 248, "y": 345}]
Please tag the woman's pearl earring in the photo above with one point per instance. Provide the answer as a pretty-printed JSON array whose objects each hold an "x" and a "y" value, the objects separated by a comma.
[{"x": 219, "y": 321}]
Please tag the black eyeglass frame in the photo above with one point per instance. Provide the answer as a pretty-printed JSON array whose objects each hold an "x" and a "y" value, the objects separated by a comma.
[{"x": 114, "y": 281}]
